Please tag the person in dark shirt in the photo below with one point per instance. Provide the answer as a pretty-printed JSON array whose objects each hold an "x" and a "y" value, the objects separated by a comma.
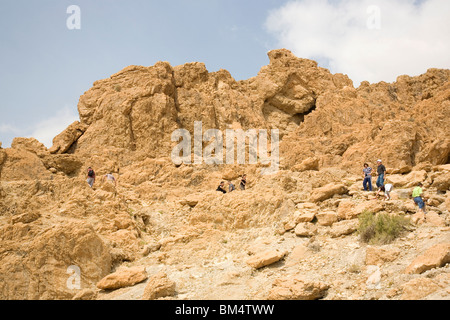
[
  {"x": 221, "y": 187},
  {"x": 90, "y": 177},
  {"x": 243, "y": 182},
  {"x": 381, "y": 171}
]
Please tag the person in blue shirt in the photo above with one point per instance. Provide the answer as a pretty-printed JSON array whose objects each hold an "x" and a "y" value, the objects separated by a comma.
[{"x": 367, "y": 172}]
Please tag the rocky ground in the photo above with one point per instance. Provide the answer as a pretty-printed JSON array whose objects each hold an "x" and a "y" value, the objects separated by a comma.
[{"x": 216, "y": 264}]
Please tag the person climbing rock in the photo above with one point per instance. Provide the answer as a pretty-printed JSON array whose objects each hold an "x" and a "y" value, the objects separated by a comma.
[
  {"x": 417, "y": 195},
  {"x": 90, "y": 177},
  {"x": 243, "y": 182},
  {"x": 387, "y": 188},
  {"x": 110, "y": 178},
  {"x": 221, "y": 187},
  {"x": 231, "y": 186}
]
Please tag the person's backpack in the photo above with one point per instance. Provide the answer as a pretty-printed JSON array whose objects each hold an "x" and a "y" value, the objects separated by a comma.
[{"x": 91, "y": 173}]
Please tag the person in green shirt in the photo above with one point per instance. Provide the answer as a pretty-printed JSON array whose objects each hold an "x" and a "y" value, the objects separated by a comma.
[{"x": 417, "y": 197}]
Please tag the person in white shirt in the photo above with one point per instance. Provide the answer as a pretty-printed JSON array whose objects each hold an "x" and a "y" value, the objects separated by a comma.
[
  {"x": 109, "y": 177},
  {"x": 387, "y": 188}
]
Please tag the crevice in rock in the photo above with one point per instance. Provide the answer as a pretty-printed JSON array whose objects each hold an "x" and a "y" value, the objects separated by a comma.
[{"x": 299, "y": 118}]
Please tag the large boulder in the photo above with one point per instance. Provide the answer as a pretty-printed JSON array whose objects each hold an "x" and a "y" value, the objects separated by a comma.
[
  {"x": 297, "y": 288},
  {"x": 159, "y": 286},
  {"x": 266, "y": 258},
  {"x": 124, "y": 277},
  {"x": 328, "y": 191},
  {"x": 435, "y": 257}
]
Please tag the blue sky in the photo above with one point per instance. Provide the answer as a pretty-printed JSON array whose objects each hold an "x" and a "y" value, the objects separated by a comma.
[{"x": 45, "y": 67}]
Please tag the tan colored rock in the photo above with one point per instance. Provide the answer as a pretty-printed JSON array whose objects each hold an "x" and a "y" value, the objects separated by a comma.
[
  {"x": 297, "y": 288},
  {"x": 380, "y": 255},
  {"x": 20, "y": 164},
  {"x": 25, "y": 217},
  {"x": 191, "y": 200},
  {"x": 123, "y": 278},
  {"x": 435, "y": 219},
  {"x": 63, "y": 259},
  {"x": 63, "y": 141},
  {"x": 373, "y": 206},
  {"x": 69, "y": 164},
  {"x": 435, "y": 200},
  {"x": 304, "y": 216},
  {"x": 159, "y": 286},
  {"x": 435, "y": 257},
  {"x": 346, "y": 209},
  {"x": 328, "y": 191},
  {"x": 442, "y": 182},
  {"x": 417, "y": 289},
  {"x": 86, "y": 294},
  {"x": 29, "y": 144},
  {"x": 409, "y": 180},
  {"x": 264, "y": 259},
  {"x": 343, "y": 228},
  {"x": 307, "y": 164},
  {"x": 305, "y": 229},
  {"x": 327, "y": 218},
  {"x": 297, "y": 255}
]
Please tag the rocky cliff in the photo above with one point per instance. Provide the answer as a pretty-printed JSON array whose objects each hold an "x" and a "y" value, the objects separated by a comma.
[{"x": 290, "y": 235}]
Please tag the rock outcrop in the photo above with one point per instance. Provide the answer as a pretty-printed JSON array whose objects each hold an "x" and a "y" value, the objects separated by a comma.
[{"x": 291, "y": 234}]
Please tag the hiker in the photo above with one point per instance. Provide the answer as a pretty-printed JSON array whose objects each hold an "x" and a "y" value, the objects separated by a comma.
[
  {"x": 387, "y": 188},
  {"x": 221, "y": 187},
  {"x": 243, "y": 182},
  {"x": 367, "y": 172},
  {"x": 231, "y": 186},
  {"x": 417, "y": 197},
  {"x": 90, "y": 177},
  {"x": 381, "y": 171},
  {"x": 109, "y": 177}
]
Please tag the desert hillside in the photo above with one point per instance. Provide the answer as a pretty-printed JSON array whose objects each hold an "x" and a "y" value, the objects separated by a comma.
[{"x": 296, "y": 232}]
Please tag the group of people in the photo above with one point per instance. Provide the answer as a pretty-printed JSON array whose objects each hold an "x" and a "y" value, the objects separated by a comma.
[
  {"x": 91, "y": 177},
  {"x": 231, "y": 186},
  {"x": 367, "y": 171},
  {"x": 417, "y": 193}
]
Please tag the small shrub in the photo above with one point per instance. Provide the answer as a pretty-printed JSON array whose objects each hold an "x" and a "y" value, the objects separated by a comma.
[{"x": 380, "y": 228}]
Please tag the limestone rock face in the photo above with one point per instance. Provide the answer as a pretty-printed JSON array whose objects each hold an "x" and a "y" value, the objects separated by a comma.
[
  {"x": 49, "y": 261},
  {"x": 387, "y": 121},
  {"x": 60, "y": 237}
]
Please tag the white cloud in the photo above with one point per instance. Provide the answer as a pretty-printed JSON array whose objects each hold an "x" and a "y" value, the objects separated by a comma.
[
  {"x": 8, "y": 128},
  {"x": 47, "y": 129},
  {"x": 373, "y": 40}
]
